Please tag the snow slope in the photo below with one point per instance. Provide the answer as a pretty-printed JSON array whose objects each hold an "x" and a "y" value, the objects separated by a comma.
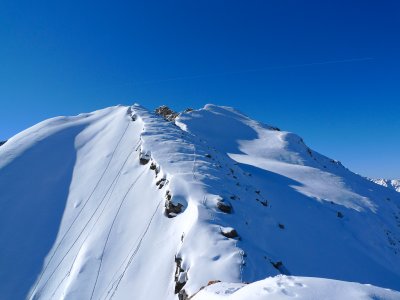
[
  {"x": 389, "y": 183},
  {"x": 120, "y": 203},
  {"x": 336, "y": 224},
  {"x": 288, "y": 287}
]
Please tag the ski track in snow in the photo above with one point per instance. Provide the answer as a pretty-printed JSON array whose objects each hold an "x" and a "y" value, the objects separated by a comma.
[
  {"x": 84, "y": 241},
  {"x": 83, "y": 229},
  {"x": 114, "y": 184},
  {"x": 294, "y": 210},
  {"x": 79, "y": 212},
  {"x": 114, "y": 289},
  {"x": 111, "y": 227}
]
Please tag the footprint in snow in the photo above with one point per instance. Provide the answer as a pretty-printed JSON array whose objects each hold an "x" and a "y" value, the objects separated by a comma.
[
  {"x": 269, "y": 290},
  {"x": 300, "y": 284},
  {"x": 288, "y": 293},
  {"x": 231, "y": 290},
  {"x": 292, "y": 282}
]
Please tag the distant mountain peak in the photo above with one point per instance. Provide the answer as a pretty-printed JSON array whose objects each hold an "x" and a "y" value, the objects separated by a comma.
[{"x": 389, "y": 183}]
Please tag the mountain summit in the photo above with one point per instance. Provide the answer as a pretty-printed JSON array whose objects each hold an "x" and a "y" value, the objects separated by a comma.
[{"x": 125, "y": 203}]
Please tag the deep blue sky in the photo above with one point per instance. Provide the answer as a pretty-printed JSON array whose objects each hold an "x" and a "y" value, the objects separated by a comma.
[{"x": 327, "y": 70}]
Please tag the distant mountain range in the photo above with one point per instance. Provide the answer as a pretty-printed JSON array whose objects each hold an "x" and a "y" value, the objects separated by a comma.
[{"x": 389, "y": 183}]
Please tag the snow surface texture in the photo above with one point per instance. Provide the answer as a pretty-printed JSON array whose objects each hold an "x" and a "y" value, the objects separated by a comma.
[
  {"x": 121, "y": 204},
  {"x": 389, "y": 183},
  {"x": 288, "y": 287}
]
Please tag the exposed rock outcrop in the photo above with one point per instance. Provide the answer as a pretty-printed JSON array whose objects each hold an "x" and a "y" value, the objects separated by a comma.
[
  {"x": 229, "y": 233},
  {"x": 167, "y": 113},
  {"x": 224, "y": 206},
  {"x": 172, "y": 209},
  {"x": 180, "y": 279},
  {"x": 144, "y": 158}
]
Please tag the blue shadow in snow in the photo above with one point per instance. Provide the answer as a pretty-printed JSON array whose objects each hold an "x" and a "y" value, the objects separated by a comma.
[{"x": 34, "y": 188}]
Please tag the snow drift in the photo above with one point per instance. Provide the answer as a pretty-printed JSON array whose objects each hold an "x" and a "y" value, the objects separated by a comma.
[
  {"x": 123, "y": 203},
  {"x": 284, "y": 287}
]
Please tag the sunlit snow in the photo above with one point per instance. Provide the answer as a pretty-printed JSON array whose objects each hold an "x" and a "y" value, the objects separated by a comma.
[{"x": 123, "y": 204}]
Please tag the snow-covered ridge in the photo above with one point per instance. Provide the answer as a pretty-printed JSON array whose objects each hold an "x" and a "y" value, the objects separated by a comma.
[
  {"x": 389, "y": 183},
  {"x": 288, "y": 287},
  {"x": 122, "y": 200}
]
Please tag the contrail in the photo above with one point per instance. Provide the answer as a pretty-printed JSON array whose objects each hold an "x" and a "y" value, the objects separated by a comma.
[
  {"x": 199, "y": 76},
  {"x": 259, "y": 69}
]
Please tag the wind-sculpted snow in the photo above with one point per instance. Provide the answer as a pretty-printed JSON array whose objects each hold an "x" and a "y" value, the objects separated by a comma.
[
  {"x": 283, "y": 153},
  {"x": 334, "y": 222},
  {"x": 122, "y": 203},
  {"x": 293, "y": 287}
]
